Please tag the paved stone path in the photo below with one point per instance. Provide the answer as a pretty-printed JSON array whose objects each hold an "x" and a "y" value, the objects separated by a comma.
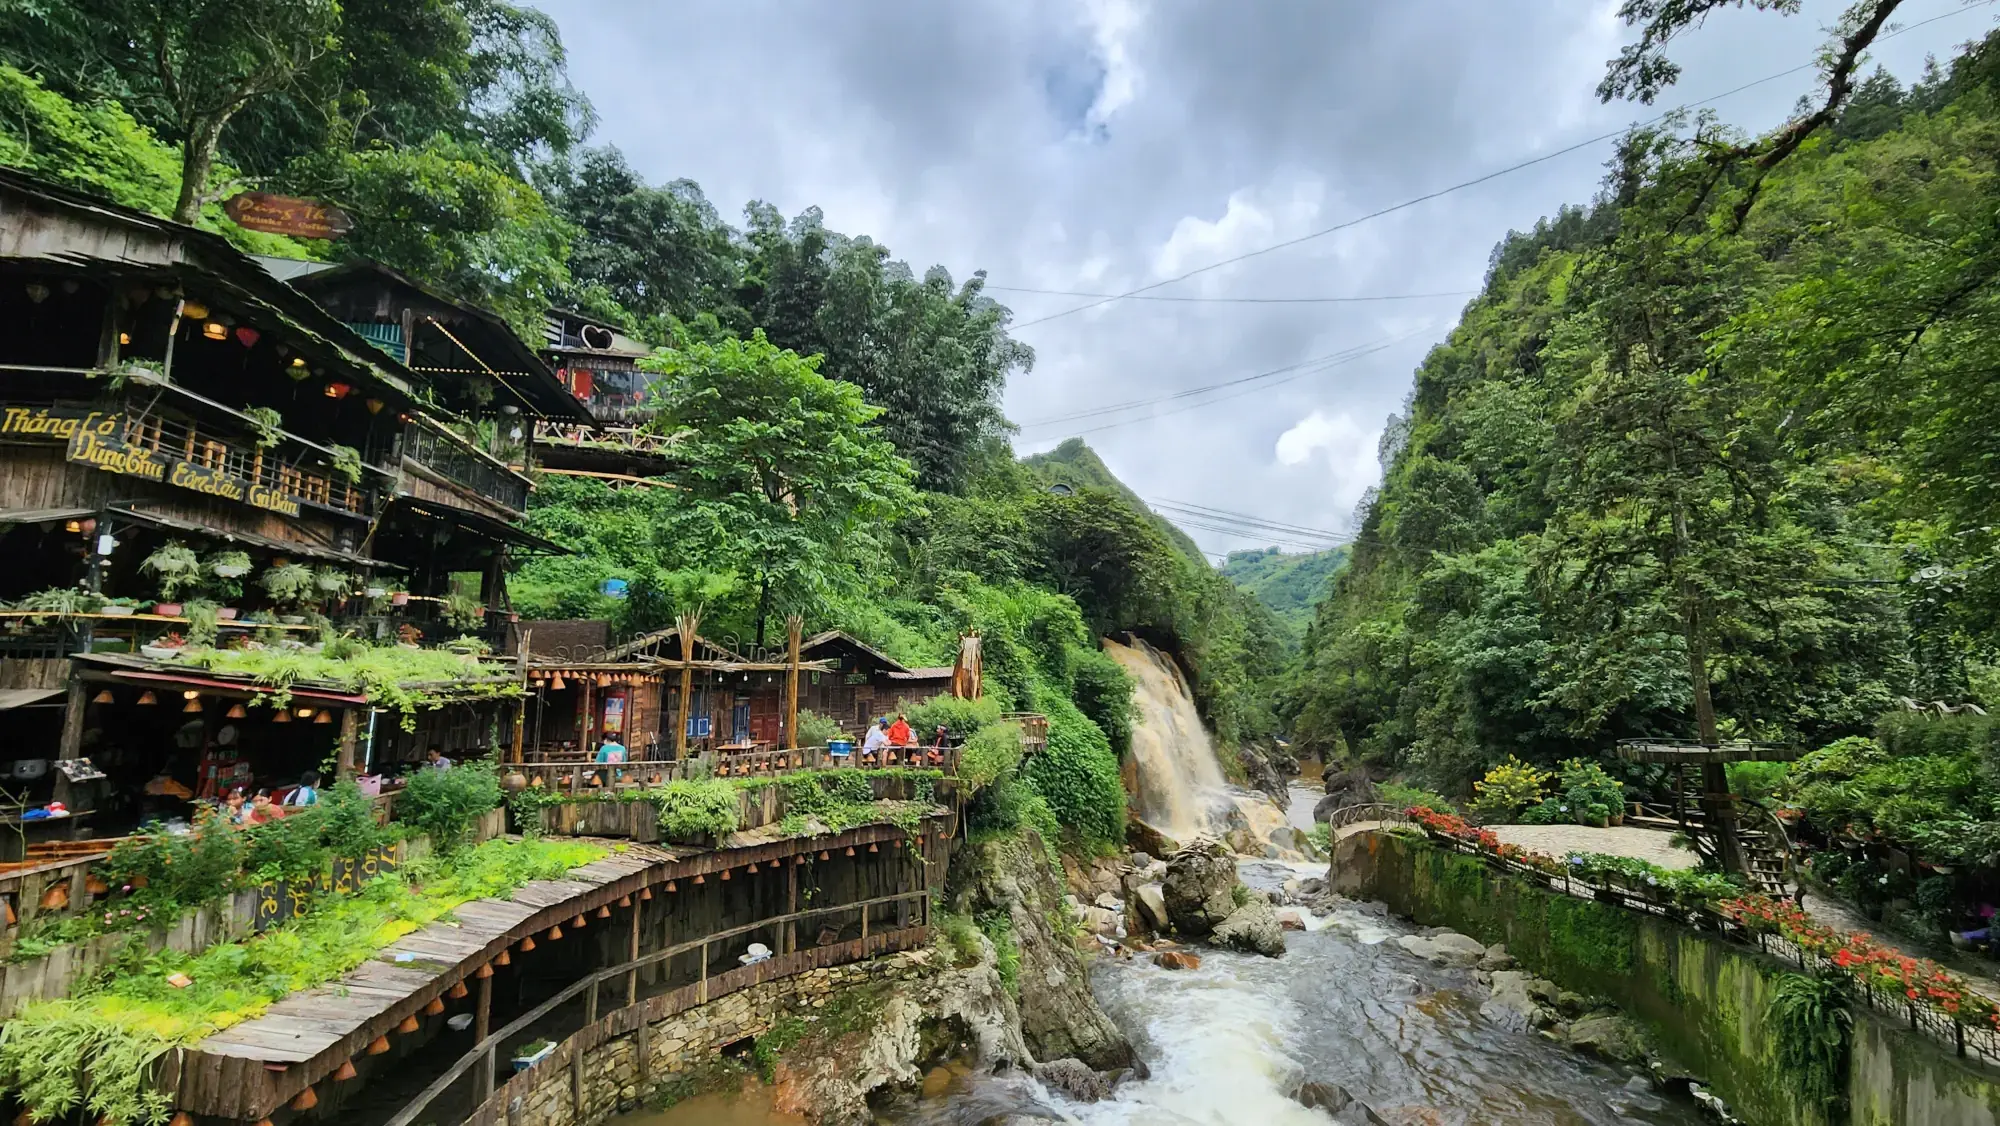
[{"x": 1623, "y": 840}]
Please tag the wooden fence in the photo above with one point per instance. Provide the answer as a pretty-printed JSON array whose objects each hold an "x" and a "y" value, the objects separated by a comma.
[{"x": 492, "y": 1098}]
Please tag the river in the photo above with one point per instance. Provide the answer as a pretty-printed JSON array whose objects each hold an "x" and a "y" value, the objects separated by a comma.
[{"x": 1228, "y": 1042}]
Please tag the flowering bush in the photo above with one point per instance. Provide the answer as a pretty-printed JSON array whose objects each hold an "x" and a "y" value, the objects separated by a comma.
[
  {"x": 1866, "y": 962},
  {"x": 1507, "y": 789},
  {"x": 1452, "y": 825}
]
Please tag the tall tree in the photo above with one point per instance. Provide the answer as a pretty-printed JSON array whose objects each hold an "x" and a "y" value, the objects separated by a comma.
[{"x": 780, "y": 466}]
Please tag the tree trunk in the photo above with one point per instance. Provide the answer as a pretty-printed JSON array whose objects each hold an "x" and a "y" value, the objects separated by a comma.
[
  {"x": 197, "y": 162},
  {"x": 1718, "y": 805},
  {"x": 763, "y": 606}
]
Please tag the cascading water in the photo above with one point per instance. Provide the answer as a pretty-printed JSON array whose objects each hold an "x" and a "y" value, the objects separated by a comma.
[{"x": 1181, "y": 790}]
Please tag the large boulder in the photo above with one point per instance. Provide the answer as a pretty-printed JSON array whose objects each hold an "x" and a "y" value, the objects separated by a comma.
[
  {"x": 1252, "y": 928},
  {"x": 1512, "y": 1005},
  {"x": 1352, "y": 787},
  {"x": 1446, "y": 948},
  {"x": 1141, "y": 837},
  {"x": 1612, "y": 1038},
  {"x": 1152, "y": 904},
  {"x": 1337, "y": 1101},
  {"x": 1263, "y": 776},
  {"x": 1200, "y": 888},
  {"x": 1059, "y": 1016}
]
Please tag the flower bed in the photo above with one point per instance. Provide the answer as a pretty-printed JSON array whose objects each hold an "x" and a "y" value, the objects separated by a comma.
[{"x": 1879, "y": 970}]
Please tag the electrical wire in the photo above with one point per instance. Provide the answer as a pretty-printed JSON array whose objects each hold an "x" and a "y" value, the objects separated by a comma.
[
  {"x": 1474, "y": 182},
  {"x": 1115, "y": 408},
  {"x": 1244, "y": 517},
  {"x": 1383, "y": 346},
  {"x": 1241, "y": 300}
]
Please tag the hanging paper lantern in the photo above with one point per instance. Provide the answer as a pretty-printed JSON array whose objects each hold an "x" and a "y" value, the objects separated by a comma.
[
  {"x": 409, "y": 1025},
  {"x": 345, "y": 1072},
  {"x": 378, "y": 1045},
  {"x": 435, "y": 1007},
  {"x": 458, "y": 990},
  {"x": 247, "y": 336}
]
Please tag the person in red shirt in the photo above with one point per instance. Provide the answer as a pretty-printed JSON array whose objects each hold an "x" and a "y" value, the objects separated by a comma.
[
  {"x": 263, "y": 810},
  {"x": 900, "y": 734}
]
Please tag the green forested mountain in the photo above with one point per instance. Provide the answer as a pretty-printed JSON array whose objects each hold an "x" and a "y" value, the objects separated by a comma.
[
  {"x": 1722, "y": 434},
  {"x": 1075, "y": 464},
  {"x": 1291, "y": 584}
]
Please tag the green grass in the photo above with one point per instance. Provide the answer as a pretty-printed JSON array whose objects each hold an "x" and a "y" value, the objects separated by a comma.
[{"x": 93, "y": 1048}]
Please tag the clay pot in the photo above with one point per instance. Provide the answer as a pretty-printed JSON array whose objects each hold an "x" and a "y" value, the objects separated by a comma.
[{"x": 515, "y": 782}]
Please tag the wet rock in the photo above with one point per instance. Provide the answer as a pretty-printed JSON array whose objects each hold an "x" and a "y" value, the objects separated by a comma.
[
  {"x": 1407, "y": 985},
  {"x": 1109, "y": 902},
  {"x": 1446, "y": 948},
  {"x": 1496, "y": 958},
  {"x": 1177, "y": 960},
  {"x": 1252, "y": 928},
  {"x": 1074, "y": 1078},
  {"x": 1098, "y": 921},
  {"x": 1059, "y": 1016},
  {"x": 1262, "y": 775},
  {"x": 1511, "y": 1005},
  {"x": 1352, "y": 787},
  {"x": 1337, "y": 1101},
  {"x": 1152, "y": 905},
  {"x": 1291, "y": 921},
  {"x": 1200, "y": 887},
  {"x": 1612, "y": 1038},
  {"x": 1571, "y": 1004},
  {"x": 1142, "y": 837}
]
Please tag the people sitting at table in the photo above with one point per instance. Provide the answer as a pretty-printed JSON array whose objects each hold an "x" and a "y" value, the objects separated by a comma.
[
  {"x": 434, "y": 758},
  {"x": 876, "y": 742},
  {"x": 306, "y": 792},
  {"x": 936, "y": 753},
  {"x": 263, "y": 810},
  {"x": 900, "y": 734},
  {"x": 235, "y": 806}
]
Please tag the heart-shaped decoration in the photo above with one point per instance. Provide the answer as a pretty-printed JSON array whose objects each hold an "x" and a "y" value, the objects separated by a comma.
[{"x": 247, "y": 335}]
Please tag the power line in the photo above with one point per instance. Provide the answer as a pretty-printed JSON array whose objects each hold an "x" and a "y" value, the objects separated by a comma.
[
  {"x": 1474, "y": 182},
  {"x": 1244, "y": 517},
  {"x": 1114, "y": 408},
  {"x": 1241, "y": 300},
  {"x": 1390, "y": 343}
]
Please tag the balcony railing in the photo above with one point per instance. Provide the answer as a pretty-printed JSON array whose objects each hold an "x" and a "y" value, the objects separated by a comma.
[
  {"x": 452, "y": 460},
  {"x": 233, "y": 467}
]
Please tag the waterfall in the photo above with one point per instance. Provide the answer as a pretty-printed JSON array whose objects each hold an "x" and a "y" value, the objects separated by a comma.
[{"x": 1180, "y": 787}]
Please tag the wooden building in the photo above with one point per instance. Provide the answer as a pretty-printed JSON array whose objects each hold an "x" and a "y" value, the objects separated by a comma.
[
  {"x": 862, "y": 683},
  {"x": 190, "y": 446},
  {"x": 600, "y": 366},
  {"x": 584, "y": 696}
]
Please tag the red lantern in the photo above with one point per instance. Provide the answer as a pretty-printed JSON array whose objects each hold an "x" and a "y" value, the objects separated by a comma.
[{"x": 247, "y": 336}]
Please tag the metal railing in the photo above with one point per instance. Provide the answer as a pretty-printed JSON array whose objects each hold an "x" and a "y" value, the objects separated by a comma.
[
  {"x": 578, "y": 771},
  {"x": 485, "y": 1054},
  {"x": 1034, "y": 729},
  {"x": 450, "y": 459},
  {"x": 1384, "y": 812}
]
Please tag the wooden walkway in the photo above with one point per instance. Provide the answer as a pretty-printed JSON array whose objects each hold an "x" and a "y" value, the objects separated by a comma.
[
  {"x": 249, "y": 1070},
  {"x": 305, "y": 1024}
]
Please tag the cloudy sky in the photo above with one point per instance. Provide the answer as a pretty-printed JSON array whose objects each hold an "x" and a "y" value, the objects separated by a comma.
[{"x": 1094, "y": 146}]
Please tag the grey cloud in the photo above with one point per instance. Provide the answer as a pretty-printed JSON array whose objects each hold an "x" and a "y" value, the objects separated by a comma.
[{"x": 971, "y": 134}]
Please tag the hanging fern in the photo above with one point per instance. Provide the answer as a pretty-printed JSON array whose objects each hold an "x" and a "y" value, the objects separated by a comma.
[{"x": 1812, "y": 1027}]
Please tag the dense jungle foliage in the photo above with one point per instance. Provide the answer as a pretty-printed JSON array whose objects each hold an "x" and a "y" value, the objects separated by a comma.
[
  {"x": 1724, "y": 426},
  {"x": 1292, "y": 584}
]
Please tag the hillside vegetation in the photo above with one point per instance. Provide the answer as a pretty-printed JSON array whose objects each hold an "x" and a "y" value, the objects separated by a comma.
[
  {"x": 1720, "y": 438},
  {"x": 1292, "y": 584}
]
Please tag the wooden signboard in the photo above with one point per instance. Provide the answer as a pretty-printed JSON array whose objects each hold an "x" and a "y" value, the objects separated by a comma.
[
  {"x": 108, "y": 450},
  {"x": 279, "y": 903},
  {"x": 287, "y": 215}
]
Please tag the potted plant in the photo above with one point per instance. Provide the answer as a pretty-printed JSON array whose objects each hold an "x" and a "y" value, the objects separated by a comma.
[
  {"x": 333, "y": 584},
  {"x": 225, "y": 580},
  {"x": 164, "y": 648},
  {"x": 267, "y": 423},
  {"x": 532, "y": 1054},
  {"x": 291, "y": 586},
  {"x": 60, "y": 602},
  {"x": 408, "y": 636},
  {"x": 178, "y": 569},
  {"x": 119, "y": 607},
  {"x": 462, "y": 611},
  {"x": 203, "y": 616},
  {"x": 399, "y": 598}
]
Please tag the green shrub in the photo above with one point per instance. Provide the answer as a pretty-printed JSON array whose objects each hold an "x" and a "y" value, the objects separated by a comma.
[
  {"x": 991, "y": 752},
  {"x": 1590, "y": 793},
  {"x": 1908, "y": 733},
  {"x": 1408, "y": 797},
  {"x": 696, "y": 809},
  {"x": 446, "y": 803},
  {"x": 1812, "y": 1026},
  {"x": 1756, "y": 780},
  {"x": 1103, "y": 690},
  {"x": 963, "y": 718},
  {"x": 816, "y": 730},
  {"x": 1078, "y": 775},
  {"x": 999, "y": 928},
  {"x": 1507, "y": 789}
]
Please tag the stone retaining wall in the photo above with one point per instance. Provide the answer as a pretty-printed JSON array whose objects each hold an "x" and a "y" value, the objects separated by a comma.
[
  {"x": 616, "y": 1070},
  {"x": 1703, "y": 998}
]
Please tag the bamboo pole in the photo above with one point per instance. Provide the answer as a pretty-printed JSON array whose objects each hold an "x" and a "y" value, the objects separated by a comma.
[
  {"x": 688, "y": 622},
  {"x": 795, "y": 628}
]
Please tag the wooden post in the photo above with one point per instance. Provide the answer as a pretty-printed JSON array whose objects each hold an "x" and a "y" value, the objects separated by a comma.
[
  {"x": 632, "y": 977},
  {"x": 71, "y": 745},
  {"x": 686, "y": 624},
  {"x": 486, "y": 1073},
  {"x": 482, "y": 1025},
  {"x": 701, "y": 990},
  {"x": 795, "y": 626},
  {"x": 590, "y": 1005},
  {"x": 791, "y": 941},
  {"x": 350, "y": 738}
]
